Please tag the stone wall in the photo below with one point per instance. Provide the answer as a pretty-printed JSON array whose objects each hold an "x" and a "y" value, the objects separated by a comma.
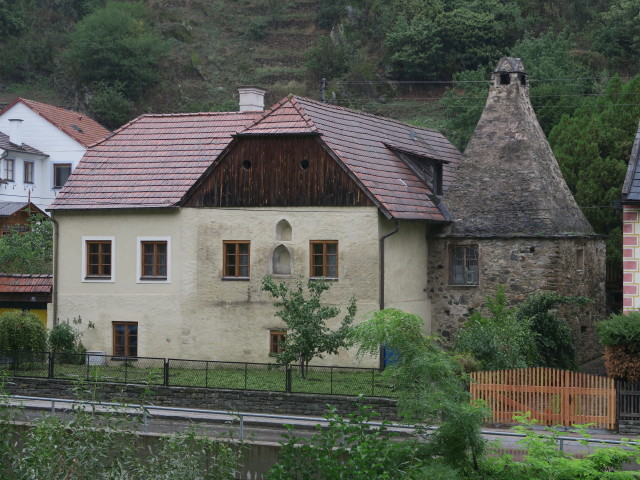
[
  {"x": 629, "y": 427},
  {"x": 525, "y": 266},
  {"x": 204, "y": 398}
]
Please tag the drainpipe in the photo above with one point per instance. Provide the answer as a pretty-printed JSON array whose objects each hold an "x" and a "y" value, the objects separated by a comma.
[
  {"x": 54, "y": 286},
  {"x": 382, "y": 239}
]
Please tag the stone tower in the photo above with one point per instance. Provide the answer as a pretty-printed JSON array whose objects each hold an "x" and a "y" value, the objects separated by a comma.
[{"x": 515, "y": 222}]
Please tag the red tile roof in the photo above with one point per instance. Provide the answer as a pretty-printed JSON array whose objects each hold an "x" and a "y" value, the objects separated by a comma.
[
  {"x": 365, "y": 143},
  {"x": 155, "y": 159},
  {"x": 77, "y": 125},
  {"x": 150, "y": 162},
  {"x": 24, "y": 283}
]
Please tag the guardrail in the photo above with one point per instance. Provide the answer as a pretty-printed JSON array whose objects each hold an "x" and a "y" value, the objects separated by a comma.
[{"x": 146, "y": 411}]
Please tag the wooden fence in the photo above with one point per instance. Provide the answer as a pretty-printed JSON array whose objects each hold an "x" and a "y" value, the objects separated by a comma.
[{"x": 554, "y": 397}]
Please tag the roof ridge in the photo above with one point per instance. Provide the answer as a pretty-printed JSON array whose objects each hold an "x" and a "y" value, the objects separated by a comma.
[
  {"x": 367, "y": 114},
  {"x": 279, "y": 104}
]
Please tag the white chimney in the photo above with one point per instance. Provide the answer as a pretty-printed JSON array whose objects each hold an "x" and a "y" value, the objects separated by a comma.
[
  {"x": 15, "y": 131},
  {"x": 251, "y": 99}
]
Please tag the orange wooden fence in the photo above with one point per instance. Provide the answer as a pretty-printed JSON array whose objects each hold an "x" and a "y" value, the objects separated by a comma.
[{"x": 554, "y": 397}]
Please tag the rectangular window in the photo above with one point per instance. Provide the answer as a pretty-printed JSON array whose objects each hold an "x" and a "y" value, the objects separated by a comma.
[
  {"x": 61, "y": 172},
  {"x": 579, "y": 260},
  {"x": 9, "y": 170},
  {"x": 125, "y": 339},
  {"x": 98, "y": 259},
  {"x": 154, "y": 260},
  {"x": 28, "y": 172},
  {"x": 324, "y": 258},
  {"x": 236, "y": 259},
  {"x": 276, "y": 340},
  {"x": 463, "y": 263}
]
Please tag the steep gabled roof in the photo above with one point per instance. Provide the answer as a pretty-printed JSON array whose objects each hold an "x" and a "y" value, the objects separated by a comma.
[
  {"x": 77, "y": 125},
  {"x": 631, "y": 188},
  {"x": 5, "y": 144},
  {"x": 9, "y": 208},
  {"x": 154, "y": 160},
  {"x": 150, "y": 162},
  {"x": 25, "y": 283},
  {"x": 364, "y": 143}
]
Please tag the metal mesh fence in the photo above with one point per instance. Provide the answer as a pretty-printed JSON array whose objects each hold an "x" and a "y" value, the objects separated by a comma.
[
  {"x": 108, "y": 368},
  {"x": 24, "y": 364},
  {"x": 95, "y": 367},
  {"x": 232, "y": 375},
  {"x": 339, "y": 381}
]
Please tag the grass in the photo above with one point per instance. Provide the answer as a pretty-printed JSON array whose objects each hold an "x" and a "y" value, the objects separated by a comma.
[{"x": 240, "y": 376}]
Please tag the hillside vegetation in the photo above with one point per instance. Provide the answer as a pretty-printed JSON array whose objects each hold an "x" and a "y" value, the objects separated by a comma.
[{"x": 421, "y": 61}]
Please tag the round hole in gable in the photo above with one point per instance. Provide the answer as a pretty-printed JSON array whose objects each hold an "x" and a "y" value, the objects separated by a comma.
[
  {"x": 304, "y": 164},
  {"x": 246, "y": 164}
]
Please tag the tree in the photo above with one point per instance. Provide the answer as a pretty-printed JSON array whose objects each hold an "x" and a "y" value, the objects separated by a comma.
[
  {"x": 307, "y": 335},
  {"x": 554, "y": 342},
  {"x": 22, "y": 332},
  {"x": 593, "y": 147},
  {"x": 430, "y": 383},
  {"x": 115, "y": 44},
  {"x": 30, "y": 251},
  {"x": 496, "y": 338}
]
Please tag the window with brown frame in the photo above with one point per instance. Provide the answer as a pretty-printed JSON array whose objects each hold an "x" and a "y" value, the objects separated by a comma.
[
  {"x": 28, "y": 172},
  {"x": 324, "y": 258},
  {"x": 125, "y": 339},
  {"x": 276, "y": 340},
  {"x": 154, "y": 260},
  {"x": 236, "y": 259},
  {"x": 61, "y": 172},
  {"x": 98, "y": 259},
  {"x": 9, "y": 170},
  {"x": 463, "y": 265}
]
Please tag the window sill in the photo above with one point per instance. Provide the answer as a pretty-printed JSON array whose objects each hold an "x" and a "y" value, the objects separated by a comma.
[
  {"x": 328, "y": 279},
  {"x": 236, "y": 279},
  {"x": 457, "y": 285},
  {"x": 98, "y": 279}
]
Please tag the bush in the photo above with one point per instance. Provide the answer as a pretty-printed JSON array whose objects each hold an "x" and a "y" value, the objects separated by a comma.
[
  {"x": 22, "y": 331},
  {"x": 620, "y": 334},
  {"x": 620, "y": 330},
  {"x": 498, "y": 340}
]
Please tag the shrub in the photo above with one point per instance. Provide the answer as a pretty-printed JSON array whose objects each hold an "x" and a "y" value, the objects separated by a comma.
[
  {"x": 621, "y": 330},
  {"x": 22, "y": 331},
  {"x": 497, "y": 340},
  {"x": 620, "y": 334}
]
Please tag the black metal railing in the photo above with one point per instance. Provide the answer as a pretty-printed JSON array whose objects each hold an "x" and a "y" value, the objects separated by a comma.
[{"x": 94, "y": 367}]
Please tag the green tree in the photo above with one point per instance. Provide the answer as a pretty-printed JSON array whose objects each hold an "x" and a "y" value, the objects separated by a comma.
[
  {"x": 618, "y": 33},
  {"x": 110, "y": 105},
  {"x": 497, "y": 339},
  {"x": 30, "y": 251},
  {"x": 592, "y": 147},
  {"x": 22, "y": 332},
  {"x": 345, "y": 448},
  {"x": 307, "y": 335},
  {"x": 430, "y": 383},
  {"x": 114, "y": 44},
  {"x": 554, "y": 342}
]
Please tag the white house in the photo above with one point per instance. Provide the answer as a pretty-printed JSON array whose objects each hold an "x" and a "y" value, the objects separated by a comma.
[{"x": 40, "y": 145}]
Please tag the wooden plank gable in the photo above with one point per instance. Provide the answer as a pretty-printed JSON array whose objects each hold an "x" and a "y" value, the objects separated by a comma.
[{"x": 277, "y": 170}]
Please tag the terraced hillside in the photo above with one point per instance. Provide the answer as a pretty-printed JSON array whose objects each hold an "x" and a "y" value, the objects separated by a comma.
[{"x": 217, "y": 46}]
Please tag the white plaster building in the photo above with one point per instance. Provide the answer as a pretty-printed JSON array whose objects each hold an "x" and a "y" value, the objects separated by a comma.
[{"x": 40, "y": 145}]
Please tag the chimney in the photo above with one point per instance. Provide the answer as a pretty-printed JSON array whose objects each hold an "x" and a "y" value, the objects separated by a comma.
[
  {"x": 15, "y": 131},
  {"x": 251, "y": 99}
]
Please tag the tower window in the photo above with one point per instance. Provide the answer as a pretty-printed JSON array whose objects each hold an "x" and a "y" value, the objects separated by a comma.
[
  {"x": 523, "y": 78},
  {"x": 505, "y": 79}
]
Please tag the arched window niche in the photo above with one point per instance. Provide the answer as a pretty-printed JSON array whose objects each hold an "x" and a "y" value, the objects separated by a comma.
[
  {"x": 281, "y": 261},
  {"x": 283, "y": 231}
]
